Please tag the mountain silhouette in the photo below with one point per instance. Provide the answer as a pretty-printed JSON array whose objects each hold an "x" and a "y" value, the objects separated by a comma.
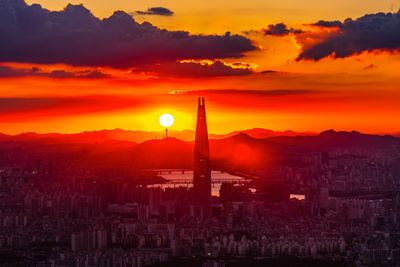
[
  {"x": 332, "y": 139},
  {"x": 237, "y": 152},
  {"x": 168, "y": 153},
  {"x": 139, "y": 136}
]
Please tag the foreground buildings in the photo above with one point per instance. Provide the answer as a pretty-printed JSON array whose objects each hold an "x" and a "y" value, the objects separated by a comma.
[{"x": 340, "y": 208}]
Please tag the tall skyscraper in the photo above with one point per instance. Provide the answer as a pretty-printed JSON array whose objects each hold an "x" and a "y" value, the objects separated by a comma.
[{"x": 201, "y": 168}]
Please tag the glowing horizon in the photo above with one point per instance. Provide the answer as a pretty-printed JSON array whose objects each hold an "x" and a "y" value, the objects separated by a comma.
[{"x": 292, "y": 70}]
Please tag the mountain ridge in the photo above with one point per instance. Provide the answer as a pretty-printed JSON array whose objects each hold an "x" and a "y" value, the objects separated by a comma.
[
  {"x": 141, "y": 136},
  {"x": 240, "y": 151},
  {"x": 102, "y": 136}
]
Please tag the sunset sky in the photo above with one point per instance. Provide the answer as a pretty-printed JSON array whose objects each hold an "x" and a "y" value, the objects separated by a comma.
[{"x": 299, "y": 65}]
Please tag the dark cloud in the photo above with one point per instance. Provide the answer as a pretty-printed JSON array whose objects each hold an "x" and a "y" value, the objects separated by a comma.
[
  {"x": 9, "y": 72},
  {"x": 328, "y": 24},
  {"x": 13, "y": 105},
  {"x": 370, "y": 66},
  {"x": 282, "y": 92},
  {"x": 195, "y": 69},
  {"x": 160, "y": 11},
  {"x": 280, "y": 29},
  {"x": 30, "y": 33},
  {"x": 368, "y": 33},
  {"x": 270, "y": 72},
  {"x": 87, "y": 74},
  {"x": 32, "y": 107}
]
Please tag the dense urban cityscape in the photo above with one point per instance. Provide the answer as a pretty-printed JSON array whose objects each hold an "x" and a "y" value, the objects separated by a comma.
[
  {"x": 337, "y": 206},
  {"x": 172, "y": 133}
]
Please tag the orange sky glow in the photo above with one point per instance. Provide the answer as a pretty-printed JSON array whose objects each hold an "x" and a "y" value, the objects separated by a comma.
[{"x": 275, "y": 84}]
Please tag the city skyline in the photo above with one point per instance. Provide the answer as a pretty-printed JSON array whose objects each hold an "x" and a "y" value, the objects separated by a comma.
[
  {"x": 199, "y": 133},
  {"x": 330, "y": 199}
]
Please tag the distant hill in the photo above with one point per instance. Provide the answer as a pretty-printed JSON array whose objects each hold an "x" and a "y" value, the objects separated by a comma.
[
  {"x": 261, "y": 133},
  {"x": 166, "y": 153},
  {"x": 139, "y": 136},
  {"x": 331, "y": 139},
  {"x": 241, "y": 151}
]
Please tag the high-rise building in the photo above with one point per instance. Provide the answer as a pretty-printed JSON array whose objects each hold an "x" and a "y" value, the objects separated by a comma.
[{"x": 201, "y": 167}]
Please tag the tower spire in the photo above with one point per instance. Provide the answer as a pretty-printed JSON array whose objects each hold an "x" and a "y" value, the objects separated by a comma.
[{"x": 201, "y": 168}]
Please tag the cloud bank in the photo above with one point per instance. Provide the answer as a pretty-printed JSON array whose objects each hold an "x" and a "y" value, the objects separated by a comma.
[
  {"x": 32, "y": 107},
  {"x": 368, "y": 33},
  {"x": 74, "y": 36},
  {"x": 159, "y": 11},
  {"x": 197, "y": 70},
  {"x": 10, "y": 72},
  {"x": 280, "y": 29},
  {"x": 248, "y": 92}
]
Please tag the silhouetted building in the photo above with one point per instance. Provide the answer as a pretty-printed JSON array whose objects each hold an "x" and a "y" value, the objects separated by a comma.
[{"x": 201, "y": 168}]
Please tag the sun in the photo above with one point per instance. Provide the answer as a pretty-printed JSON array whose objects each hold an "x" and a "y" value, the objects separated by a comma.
[{"x": 166, "y": 120}]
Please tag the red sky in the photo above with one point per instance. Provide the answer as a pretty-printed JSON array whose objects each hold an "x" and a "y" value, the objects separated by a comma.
[{"x": 80, "y": 69}]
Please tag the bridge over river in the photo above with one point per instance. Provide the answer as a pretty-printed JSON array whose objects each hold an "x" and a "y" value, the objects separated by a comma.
[{"x": 184, "y": 178}]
